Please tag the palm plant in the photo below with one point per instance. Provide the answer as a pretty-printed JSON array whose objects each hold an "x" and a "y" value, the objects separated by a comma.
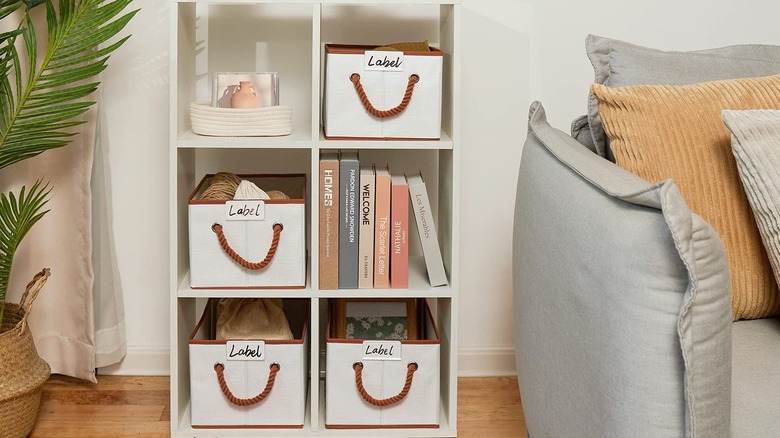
[{"x": 42, "y": 94}]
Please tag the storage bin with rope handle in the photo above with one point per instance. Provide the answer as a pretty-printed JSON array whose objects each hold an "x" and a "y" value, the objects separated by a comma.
[{"x": 382, "y": 94}]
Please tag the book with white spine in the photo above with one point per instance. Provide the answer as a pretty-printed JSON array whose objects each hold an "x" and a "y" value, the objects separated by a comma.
[
  {"x": 423, "y": 215},
  {"x": 366, "y": 249}
]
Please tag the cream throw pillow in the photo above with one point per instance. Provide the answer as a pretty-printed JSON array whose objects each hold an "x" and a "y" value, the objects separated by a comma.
[
  {"x": 755, "y": 141},
  {"x": 661, "y": 131}
]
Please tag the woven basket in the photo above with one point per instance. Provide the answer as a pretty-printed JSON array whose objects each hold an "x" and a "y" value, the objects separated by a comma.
[
  {"x": 232, "y": 122},
  {"x": 22, "y": 371}
]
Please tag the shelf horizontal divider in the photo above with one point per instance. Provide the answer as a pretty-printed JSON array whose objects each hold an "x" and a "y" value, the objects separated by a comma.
[
  {"x": 419, "y": 287},
  {"x": 302, "y": 140},
  {"x": 325, "y": 2},
  {"x": 444, "y": 143},
  {"x": 296, "y": 140}
]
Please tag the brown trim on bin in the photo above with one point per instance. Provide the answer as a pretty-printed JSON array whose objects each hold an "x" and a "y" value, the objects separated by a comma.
[
  {"x": 372, "y": 426},
  {"x": 303, "y": 286},
  {"x": 234, "y": 427},
  {"x": 223, "y": 202},
  {"x": 327, "y": 137},
  {"x": 302, "y": 200},
  {"x": 436, "y": 341},
  {"x": 359, "y": 49},
  {"x": 207, "y": 310},
  {"x": 404, "y": 342}
]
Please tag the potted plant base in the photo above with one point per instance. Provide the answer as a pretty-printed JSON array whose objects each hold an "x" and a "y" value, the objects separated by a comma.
[{"x": 23, "y": 371}]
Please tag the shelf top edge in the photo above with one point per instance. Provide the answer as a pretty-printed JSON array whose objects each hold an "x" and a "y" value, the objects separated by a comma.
[{"x": 325, "y": 2}]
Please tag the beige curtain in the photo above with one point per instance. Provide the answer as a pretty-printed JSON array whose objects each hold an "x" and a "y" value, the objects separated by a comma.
[
  {"x": 110, "y": 335},
  {"x": 78, "y": 320}
]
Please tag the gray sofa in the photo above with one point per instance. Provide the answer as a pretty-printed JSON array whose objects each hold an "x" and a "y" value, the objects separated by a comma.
[{"x": 622, "y": 302}]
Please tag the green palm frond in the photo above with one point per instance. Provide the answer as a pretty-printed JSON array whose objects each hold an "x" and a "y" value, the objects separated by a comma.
[
  {"x": 42, "y": 94},
  {"x": 17, "y": 216},
  {"x": 38, "y": 107}
]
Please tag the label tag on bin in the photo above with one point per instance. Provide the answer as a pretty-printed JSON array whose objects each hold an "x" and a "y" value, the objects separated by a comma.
[
  {"x": 245, "y": 350},
  {"x": 379, "y": 60},
  {"x": 248, "y": 210},
  {"x": 381, "y": 350}
]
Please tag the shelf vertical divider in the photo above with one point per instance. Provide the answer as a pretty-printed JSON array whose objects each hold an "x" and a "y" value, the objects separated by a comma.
[
  {"x": 314, "y": 345},
  {"x": 449, "y": 204},
  {"x": 183, "y": 40},
  {"x": 316, "y": 74},
  {"x": 314, "y": 367}
]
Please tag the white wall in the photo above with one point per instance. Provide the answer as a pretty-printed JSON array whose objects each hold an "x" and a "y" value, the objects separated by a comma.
[
  {"x": 135, "y": 93},
  {"x": 563, "y": 71},
  {"x": 513, "y": 53}
]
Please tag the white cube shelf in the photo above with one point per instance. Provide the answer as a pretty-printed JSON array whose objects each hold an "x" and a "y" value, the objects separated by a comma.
[{"x": 289, "y": 38}]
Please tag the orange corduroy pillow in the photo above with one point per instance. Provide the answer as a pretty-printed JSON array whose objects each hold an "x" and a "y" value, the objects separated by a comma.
[{"x": 661, "y": 131}]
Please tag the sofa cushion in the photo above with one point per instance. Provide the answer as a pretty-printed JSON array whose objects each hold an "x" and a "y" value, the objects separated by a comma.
[
  {"x": 580, "y": 131},
  {"x": 621, "y": 298},
  {"x": 755, "y": 141},
  {"x": 618, "y": 63},
  {"x": 755, "y": 394},
  {"x": 662, "y": 131}
]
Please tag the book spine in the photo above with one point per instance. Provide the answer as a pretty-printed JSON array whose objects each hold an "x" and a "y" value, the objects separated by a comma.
[
  {"x": 329, "y": 222},
  {"x": 382, "y": 231},
  {"x": 366, "y": 250},
  {"x": 349, "y": 230},
  {"x": 421, "y": 206},
  {"x": 399, "y": 218}
]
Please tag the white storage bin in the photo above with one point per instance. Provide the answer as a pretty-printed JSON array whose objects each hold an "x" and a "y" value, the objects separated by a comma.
[
  {"x": 246, "y": 257},
  {"x": 283, "y": 407},
  {"x": 400, "y": 392},
  {"x": 386, "y": 80}
]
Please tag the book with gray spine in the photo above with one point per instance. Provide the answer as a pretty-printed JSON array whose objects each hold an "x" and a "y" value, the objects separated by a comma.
[{"x": 349, "y": 219}]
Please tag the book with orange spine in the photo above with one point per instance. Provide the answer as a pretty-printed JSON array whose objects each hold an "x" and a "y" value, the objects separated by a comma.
[{"x": 399, "y": 219}]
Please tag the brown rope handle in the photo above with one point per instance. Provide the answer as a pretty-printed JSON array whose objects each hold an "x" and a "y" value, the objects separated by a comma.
[
  {"x": 217, "y": 228},
  {"x": 220, "y": 369},
  {"x": 413, "y": 79},
  {"x": 33, "y": 289},
  {"x": 410, "y": 369}
]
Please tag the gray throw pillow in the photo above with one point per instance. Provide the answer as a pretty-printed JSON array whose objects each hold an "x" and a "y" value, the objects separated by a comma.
[
  {"x": 618, "y": 63},
  {"x": 755, "y": 141}
]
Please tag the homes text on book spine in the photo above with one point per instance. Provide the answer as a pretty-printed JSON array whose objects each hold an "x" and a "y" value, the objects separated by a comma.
[{"x": 329, "y": 221}]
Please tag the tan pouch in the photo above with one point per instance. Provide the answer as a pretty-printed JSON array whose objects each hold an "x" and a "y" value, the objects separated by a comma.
[{"x": 252, "y": 318}]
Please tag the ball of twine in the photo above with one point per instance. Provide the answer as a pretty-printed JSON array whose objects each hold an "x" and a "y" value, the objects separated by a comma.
[
  {"x": 223, "y": 187},
  {"x": 276, "y": 194}
]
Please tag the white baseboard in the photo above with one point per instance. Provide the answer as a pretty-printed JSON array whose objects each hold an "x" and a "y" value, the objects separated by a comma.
[
  {"x": 141, "y": 361},
  {"x": 472, "y": 362},
  {"x": 486, "y": 361}
]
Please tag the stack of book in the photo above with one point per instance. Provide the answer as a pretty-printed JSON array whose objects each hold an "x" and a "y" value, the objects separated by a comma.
[{"x": 364, "y": 225}]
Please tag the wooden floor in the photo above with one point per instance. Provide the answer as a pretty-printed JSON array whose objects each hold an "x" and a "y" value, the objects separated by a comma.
[{"x": 119, "y": 407}]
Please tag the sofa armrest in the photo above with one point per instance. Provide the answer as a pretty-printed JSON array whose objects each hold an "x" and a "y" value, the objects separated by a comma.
[{"x": 622, "y": 300}]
